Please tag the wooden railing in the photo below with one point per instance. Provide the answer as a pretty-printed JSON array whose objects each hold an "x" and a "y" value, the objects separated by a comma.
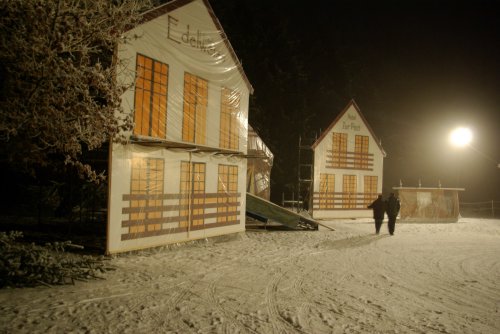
[
  {"x": 349, "y": 160},
  {"x": 342, "y": 201},
  {"x": 178, "y": 213}
]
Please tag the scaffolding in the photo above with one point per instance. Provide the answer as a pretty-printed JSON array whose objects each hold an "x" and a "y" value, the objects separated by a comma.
[{"x": 301, "y": 200}]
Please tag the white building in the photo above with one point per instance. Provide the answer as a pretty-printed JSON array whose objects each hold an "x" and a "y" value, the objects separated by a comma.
[
  {"x": 348, "y": 167},
  {"x": 182, "y": 176}
]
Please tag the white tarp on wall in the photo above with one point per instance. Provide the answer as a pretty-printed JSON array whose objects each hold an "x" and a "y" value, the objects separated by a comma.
[
  {"x": 183, "y": 174},
  {"x": 429, "y": 204}
]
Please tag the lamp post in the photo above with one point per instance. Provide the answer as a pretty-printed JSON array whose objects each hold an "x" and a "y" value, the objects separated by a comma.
[{"x": 460, "y": 137}]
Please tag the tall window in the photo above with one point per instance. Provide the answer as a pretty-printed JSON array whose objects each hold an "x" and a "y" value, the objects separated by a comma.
[
  {"x": 150, "y": 97},
  {"x": 229, "y": 126},
  {"x": 326, "y": 191},
  {"x": 349, "y": 188},
  {"x": 227, "y": 184},
  {"x": 370, "y": 189},
  {"x": 192, "y": 191},
  {"x": 361, "y": 150},
  {"x": 146, "y": 180},
  {"x": 339, "y": 149},
  {"x": 195, "y": 109}
]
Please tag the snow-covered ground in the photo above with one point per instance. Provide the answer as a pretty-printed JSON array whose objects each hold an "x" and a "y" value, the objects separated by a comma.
[{"x": 427, "y": 278}]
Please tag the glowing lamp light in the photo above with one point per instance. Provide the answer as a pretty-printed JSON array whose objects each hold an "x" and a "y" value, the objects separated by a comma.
[{"x": 461, "y": 137}]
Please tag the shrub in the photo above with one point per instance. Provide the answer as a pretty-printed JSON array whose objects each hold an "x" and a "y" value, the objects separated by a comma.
[{"x": 23, "y": 264}]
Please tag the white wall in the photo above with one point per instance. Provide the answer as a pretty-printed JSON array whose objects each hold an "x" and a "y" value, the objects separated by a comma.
[
  {"x": 352, "y": 123},
  {"x": 120, "y": 185},
  {"x": 163, "y": 39},
  {"x": 157, "y": 39}
]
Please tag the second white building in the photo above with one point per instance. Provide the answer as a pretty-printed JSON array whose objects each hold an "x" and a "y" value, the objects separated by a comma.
[{"x": 348, "y": 167}]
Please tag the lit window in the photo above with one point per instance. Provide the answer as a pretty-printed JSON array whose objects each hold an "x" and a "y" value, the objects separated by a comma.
[
  {"x": 227, "y": 189},
  {"x": 150, "y": 97},
  {"x": 326, "y": 191},
  {"x": 339, "y": 149},
  {"x": 192, "y": 191},
  {"x": 229, "y": 126},
  {"x": 147, "y": 182},
  {"x": 370, "y": 189},
  {"x": 195, "y": 109},
  {"x": 349, "y": 189},
  {"x": 361, "y": 152}
]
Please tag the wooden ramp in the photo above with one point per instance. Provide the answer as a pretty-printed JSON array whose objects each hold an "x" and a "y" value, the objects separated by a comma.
[{"x": 260, "y": 209}]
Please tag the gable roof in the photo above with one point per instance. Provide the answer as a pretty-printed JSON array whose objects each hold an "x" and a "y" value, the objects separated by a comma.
[
  {"x": 339, "y": 116},
  {"x": 173, "y": 5}
]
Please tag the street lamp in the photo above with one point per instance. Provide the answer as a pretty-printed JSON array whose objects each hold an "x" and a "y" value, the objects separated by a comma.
[{"x": 461, "y": 137}]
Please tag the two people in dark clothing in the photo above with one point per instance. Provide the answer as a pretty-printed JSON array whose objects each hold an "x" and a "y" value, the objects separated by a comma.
[{"x": 380, "y": 207}]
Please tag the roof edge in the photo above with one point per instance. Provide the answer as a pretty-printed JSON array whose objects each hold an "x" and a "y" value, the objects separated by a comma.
[
  {"x": 332, "y": 124},
  {"x": 160, "y": 10}
]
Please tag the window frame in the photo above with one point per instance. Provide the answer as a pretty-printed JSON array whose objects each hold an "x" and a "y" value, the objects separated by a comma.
[
  {"x": 194, "y": 110},
  {"x": 361, "y": 150},
  {"x": 229, "y": 125},
  {"x": 142, "y": 183},
  {"x": 227, "y": 183},
  {"x": 370, "y": 191},
  {"x": 349, "y": 191},
  {"x": 150, "y": 97},
  {"x": 326, "y": 191},
  {"x": 192, "y": 192},
  {"x": 339, "y": 149}
]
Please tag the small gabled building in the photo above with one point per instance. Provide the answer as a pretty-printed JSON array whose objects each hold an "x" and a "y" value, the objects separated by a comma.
[
  {"x": 429, "y": 205},
  {"x": 348, "y": 167},
  {"x": 182, "y": 175}
]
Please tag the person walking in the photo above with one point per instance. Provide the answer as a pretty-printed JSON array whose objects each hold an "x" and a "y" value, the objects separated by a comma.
[
  {"x": 392, "y": 208},
  {"x": 378, "y": 207}
]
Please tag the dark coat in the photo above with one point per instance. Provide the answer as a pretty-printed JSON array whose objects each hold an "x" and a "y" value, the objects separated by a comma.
[
  {"x": 378, "y": 207},
  {"x": 392, "y": 206}
]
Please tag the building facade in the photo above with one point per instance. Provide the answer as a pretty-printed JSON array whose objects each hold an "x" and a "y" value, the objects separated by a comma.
[
  {"x": 348, "y": 167},
  {"x": 182, "y": 175}
]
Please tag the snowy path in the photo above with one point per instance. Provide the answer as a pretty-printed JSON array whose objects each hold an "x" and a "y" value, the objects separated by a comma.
[{"x": 427, "y": 278}]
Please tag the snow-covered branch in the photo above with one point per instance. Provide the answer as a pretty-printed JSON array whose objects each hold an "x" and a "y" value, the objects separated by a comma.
[{"x": 58, "y": 90}]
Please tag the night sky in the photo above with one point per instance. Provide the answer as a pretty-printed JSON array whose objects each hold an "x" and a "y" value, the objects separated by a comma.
[{"x": 416, "y": 69}]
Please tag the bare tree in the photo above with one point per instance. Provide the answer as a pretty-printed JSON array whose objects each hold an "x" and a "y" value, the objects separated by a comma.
[{"x": 58, "y": 93}]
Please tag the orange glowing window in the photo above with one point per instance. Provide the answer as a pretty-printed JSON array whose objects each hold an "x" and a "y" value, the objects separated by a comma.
[
  {"x": 150, "y": 114},
  {"x": 192, "y": 191},
  {"x": 326, "y": 191},
  {"x": 229, "y": 126},
  {"x": 339, "y": 149},
  {"x": 361, "y": 151},
  {"x": 147, "y": 180},
  {"x": 349, "y": 188},
  {"x": 370, "y": 193},
  {"x": 227, "y": 188},
  {"x": 195, "y": 109}
]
